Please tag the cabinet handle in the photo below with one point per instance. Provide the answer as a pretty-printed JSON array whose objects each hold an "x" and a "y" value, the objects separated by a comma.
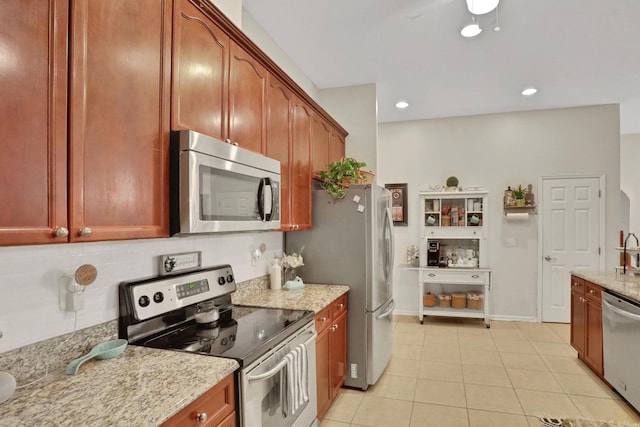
[
  {"x": 431, "y": 275},
  {"x": 201, "y": 417},
  {"x": 475, "y": 276},
  {"x": 85, "y": 232},
  {"x": 340, "y": 305},
  {"x": 61, "y": 232},
  {"x": 323, "y": 319}
]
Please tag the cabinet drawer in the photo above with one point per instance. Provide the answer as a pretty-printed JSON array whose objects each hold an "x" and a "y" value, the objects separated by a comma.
[
  {"x": 577, "y": 285},
  {"x": 456, "y": 276},
  {"x": 593, "y": 292},
  {"x": 214, "y": 406},
  {"x": 323, "y": 319},
  {"x": 339, "y": 306}
]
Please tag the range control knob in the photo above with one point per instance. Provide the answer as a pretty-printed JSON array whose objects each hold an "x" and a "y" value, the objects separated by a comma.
[
  {"x": 158, "y": 297},
  {"x": 221, "y": 281},
  {"x": 144, "y": 301},
  {"x": 229, "y": 278}
]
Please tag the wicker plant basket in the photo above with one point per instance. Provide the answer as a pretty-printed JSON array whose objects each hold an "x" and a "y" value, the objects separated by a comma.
[
  {"x": 444, "y": 300},
  {"x": 458, "y": 300},
  {"x": 475, "y": 300},
  {"x": 429, "y": 300}
]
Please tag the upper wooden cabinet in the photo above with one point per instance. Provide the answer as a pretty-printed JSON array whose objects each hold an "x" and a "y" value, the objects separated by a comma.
[
  {"x": 288, "y": 140},
  {"x": 320, "y": 143},
  {"x": 119, "y": 88},
  {"x": 247, "y": 101},
  {"x": 200, "y": 71},
  {"x": 33, "y": 107},
  {"x": 336, "y": 146},
  {"x": 116, "y": 112}
]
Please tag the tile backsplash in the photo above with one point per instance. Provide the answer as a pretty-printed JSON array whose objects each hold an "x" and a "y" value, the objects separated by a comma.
[{"x": 29, "y": 277}]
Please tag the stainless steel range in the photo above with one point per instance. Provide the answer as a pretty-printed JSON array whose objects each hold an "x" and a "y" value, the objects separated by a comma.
[{"x": 192, "y": 312}]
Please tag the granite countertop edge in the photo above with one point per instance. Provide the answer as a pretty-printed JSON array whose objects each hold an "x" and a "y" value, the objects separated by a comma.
[
  {"x": 313, "y": 297},
  {"x": 625, "y": 285}
]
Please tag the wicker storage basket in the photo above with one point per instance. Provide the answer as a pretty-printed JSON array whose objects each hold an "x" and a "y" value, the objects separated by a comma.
[
  {"x": 444, "y": 300},
  {"x": 429, "y": 300},
  {"x": 458, "y": 300},
  {"x": 475, "y": 300}
]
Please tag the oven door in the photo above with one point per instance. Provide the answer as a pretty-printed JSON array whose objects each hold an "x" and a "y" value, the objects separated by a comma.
[
  {"x": 260, "y": 390},
  {"x": 219, "y": 195}
]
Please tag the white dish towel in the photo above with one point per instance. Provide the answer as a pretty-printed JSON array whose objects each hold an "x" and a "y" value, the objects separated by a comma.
[{"x": 293, "y": 381}]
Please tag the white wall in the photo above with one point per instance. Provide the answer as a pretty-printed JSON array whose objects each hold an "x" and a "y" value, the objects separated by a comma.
[
  {"x": 254, "y": 31},
  {"x": 355, "y": 108},
  {"x": 630, "y": 177},
  {"x": 494, "y": 151},
  {"x": 29, "y": 277}
]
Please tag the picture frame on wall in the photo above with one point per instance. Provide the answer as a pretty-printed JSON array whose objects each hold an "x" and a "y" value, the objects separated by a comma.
[{"x": 398, "y": 203}]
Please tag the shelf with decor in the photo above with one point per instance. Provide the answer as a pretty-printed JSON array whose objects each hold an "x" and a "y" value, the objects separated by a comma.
[
  {"x": 533, "y": 209},
  {"x": 454, "y": 254}
]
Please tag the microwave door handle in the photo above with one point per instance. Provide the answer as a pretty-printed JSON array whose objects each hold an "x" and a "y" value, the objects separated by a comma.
[
  {"x": 265, "y": 204},
  {"x": 267, "y": 199}
]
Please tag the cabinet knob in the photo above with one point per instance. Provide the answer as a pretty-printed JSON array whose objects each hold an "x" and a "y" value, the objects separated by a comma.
[
  {"x": 323, "y": 319},
  {"x": 61, "y": 232},
  {"x": 234, "y": 143},
  {"x": 333, "y": 328},
  {"x": 340, "y": 305},
  {"x": 431, "y": 275},
  {"x": 85, "y": 232},
  {"x": 228, "y": 141},
  {"x": 591, "y": 291},
  {"x": 201, "y": 417}
]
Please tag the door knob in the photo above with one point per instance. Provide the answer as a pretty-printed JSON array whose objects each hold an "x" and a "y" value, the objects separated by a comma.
[
  {"x": 61, "y": 232},
  {"x": 547, "y": 258},
  {"x": 85, "y": 232}
]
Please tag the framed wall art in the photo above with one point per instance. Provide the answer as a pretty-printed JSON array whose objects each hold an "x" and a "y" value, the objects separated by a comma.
[{"x": 398, "y": 203}]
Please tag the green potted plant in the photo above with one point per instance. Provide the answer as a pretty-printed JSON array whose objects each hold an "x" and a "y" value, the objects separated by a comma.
[
  {"x": 452, "y": 183},
  {"x": 340, "y": 175},
  {"x": 519, "y": 193}
]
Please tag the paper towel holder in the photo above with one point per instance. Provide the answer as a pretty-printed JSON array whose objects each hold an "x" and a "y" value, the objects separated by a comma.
[{"x": 531, "y": 210}]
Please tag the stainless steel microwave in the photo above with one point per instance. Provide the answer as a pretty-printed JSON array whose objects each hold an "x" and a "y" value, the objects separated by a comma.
[{"x": 218, "y": 187}]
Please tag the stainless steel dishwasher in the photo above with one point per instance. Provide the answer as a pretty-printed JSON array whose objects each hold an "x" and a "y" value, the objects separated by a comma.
[{"x": 621, "y": 341}]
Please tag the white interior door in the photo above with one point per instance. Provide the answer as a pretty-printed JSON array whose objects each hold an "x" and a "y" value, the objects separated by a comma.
[{"x": 571, "y": 222}]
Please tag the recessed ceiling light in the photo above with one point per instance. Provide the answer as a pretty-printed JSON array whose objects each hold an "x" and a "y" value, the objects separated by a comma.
[
  {"x": 529, "y": 91},
  {"x": 402, "y": 104}
]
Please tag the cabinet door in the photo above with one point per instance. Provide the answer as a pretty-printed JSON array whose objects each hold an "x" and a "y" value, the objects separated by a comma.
[
  {"x": 593, "y": 345},
  {"x": 119, "y": 118},
  {"x": 336, "y": 147},
  {"x": 200, "y": 72},
  {"x": 338, "y": 357},
  {"x": 33, "y": 84},
  {"x": 300, "y": 208},
  {"x": 279, "y": 141},
  {"x": 323, "y": 372},
  {"x": 247, "y": 100},
  {"x": 320, "y": 144},
  {"x": 578, "y": 321}
]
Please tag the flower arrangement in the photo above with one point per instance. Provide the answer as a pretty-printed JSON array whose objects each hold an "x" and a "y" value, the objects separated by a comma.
[{"x": 294, "y": 260}]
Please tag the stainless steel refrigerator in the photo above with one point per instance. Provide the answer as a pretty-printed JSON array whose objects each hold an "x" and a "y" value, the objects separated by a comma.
[{"x": 351, "y": 243}]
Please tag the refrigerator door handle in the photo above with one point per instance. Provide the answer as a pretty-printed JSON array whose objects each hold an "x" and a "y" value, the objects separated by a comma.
[
  {"x": 388, "y": 312},
  {"x": 389, "y": 244}
]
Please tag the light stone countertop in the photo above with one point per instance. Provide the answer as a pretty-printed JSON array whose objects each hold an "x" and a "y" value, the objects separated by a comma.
[
  {"x": 311, "y": 297},
  {"x": 142, "y": 387},
  {"x": 625, "y": 285}
]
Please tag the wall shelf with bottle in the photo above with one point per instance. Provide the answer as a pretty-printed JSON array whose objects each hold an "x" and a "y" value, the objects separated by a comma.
[{"x": 519, "y": 200}]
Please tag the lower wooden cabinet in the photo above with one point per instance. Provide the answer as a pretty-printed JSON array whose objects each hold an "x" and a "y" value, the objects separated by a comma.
[
  {"x": 586, "y": 323},
  {"x": 331, "y": 352},
  {"x": 215, "y": 408}
]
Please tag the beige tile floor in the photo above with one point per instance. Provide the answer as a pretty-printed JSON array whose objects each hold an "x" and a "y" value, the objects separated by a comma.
[{"x": 455, "y": 372}]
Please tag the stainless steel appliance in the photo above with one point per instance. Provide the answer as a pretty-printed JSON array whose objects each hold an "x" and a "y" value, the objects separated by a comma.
[
  {"x": 161, "y": 312},
  {"x": 219, "y": 187},
  {"x": 433, "y": 253},
  {"x": 351, "y": 243},
  {"x": 621, "y": 339}
]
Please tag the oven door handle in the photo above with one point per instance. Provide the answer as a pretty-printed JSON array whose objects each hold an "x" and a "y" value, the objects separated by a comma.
[{"x": 271, "y": 372}]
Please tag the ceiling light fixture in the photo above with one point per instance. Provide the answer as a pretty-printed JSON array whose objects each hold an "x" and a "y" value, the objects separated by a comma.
[
  {"x": 472, "y": 29},
  {"x": 480, "y": 7},
  {"x": 529, "y": 91},
  {"x": 402, "y": 104}
]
